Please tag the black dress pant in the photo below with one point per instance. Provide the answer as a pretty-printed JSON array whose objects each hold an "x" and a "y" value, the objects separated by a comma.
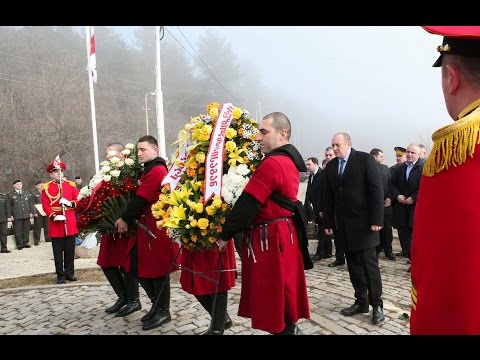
[
  {"x": 64, "y": 255},
  {"x": 3, "y": 235},
  {"x": 365, "y": 277},
  {"x": 386, "y": 235}
]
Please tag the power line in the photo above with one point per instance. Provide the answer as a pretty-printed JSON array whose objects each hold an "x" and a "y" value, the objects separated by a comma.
[{"x": 202, "y": 62}]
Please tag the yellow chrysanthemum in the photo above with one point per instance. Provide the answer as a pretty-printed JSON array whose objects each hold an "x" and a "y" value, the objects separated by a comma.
[
  {"x": 202, "y": 223},
  {"x": 230, "y": 146},
  {"x": 237, "y": 112},
  {"x": 199, "y": 208},
  {"x": 230, "y": 133}
]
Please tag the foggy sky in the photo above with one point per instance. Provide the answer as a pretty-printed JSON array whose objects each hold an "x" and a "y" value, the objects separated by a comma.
[{"x": 375, "y": 83}]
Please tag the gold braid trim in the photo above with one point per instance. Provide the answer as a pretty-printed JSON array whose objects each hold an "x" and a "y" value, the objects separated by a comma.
[
  {"x": 453, "y": 143},
  {"x": 51, "y": 197}
]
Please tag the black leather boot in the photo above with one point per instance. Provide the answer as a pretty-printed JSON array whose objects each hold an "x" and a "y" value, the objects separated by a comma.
[
  {"x": 207, "y": 301},
  {"x": 161, "y": 314},
  {"x": 115, "y": 279},
  {"x": 150, "y": 313},
  {"x": 131, "y": 287},
  {"x": 149, "y": 287},
  {"x": 219, "y": 315},
  {"x": 291, "y": 329}
]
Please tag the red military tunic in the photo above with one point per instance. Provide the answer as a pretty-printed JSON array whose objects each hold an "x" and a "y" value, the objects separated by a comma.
[
  {"x": 274, "y": 286},
  {"x": 113, "y": 248},
  {"x": 50, "y": 202},
  {"x": 155, "y": 255},
  {"x": 445, "y": 243},
  {"x": 206, "y": 263}
]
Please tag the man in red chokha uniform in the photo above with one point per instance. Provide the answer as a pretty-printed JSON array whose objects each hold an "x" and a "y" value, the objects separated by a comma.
[
  {"x": 206, "y": 262},
  {"x": 445, "y": 244},
  {"x": 149, "y": 258},
  {"x": 111, "y": 258},
  {"x": 62, "y": 229},
  {"x": 274, "y": 291}
]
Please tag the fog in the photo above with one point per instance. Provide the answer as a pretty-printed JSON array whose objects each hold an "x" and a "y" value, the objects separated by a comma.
[{"x": 375, "y": 83}]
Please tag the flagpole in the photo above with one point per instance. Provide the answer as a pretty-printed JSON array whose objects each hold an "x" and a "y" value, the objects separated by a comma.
[
  {"x": 159, "y": 98},
  {"x": 92, "y": 103}
]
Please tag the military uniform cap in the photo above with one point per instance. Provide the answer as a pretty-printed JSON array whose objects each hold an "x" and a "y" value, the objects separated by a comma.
[
  {"x": 400, "y": 150},
  {"x": 457, "y": 40},
  {"x": 16, "y": 181},
  {"x": 51, "y": 166}
]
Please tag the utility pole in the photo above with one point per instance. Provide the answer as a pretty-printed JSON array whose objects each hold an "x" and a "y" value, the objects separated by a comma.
[
  {"x": 146, "y": 109},
  {"x": 159, "y": 98}
]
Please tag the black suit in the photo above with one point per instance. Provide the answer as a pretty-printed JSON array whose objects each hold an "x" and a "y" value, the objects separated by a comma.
[
  {"x": 314, "y": 196},
  {"x": 386, "y": 236},
  {"x": 354, "y": 202},
  {"x": 403, "y": 214}
]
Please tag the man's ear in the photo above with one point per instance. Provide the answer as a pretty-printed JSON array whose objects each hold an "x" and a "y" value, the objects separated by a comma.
[{"x": 453, "y": 78}]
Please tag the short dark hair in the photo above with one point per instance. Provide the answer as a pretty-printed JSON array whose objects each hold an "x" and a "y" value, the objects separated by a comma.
[
  {"x": 38, "y": 182},
  {"x": 375, "y": 151},
  {"x": 78, "y": 177},
  {"x": 313, "y": 160},
  {"x": 280, "y": 122},
  {"x": 149, "y": 139}
]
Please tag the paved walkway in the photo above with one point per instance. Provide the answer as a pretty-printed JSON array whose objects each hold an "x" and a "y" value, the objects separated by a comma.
[{"x": 79, "y": 308}]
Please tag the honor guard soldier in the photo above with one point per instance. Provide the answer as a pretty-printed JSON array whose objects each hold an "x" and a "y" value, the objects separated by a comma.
[
  {"x": 445, "y": 267},
  {"x": 58, "y": 201}
]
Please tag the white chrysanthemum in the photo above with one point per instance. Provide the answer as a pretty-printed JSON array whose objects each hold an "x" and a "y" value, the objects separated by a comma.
[
  {"x": 105, "y": 169},
  {"x": 107, "y": 178},
  {"x": 126, "y": 152},
  {"x": 119, "y": 164},
  {"x": 234, "y": 182},
  {"x": 129, "y": 162},
  {"x": 111, "y": 153},
  {"x": 129, "y": 146},
  {"x": 114, "y": 160},
  {"x": 115, "y": 173},
  {"x": 104, "y": 163}
]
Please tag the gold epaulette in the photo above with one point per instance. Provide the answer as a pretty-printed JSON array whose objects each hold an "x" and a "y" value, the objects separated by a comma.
[
  {"x": 73, "y": 183},
  {"x": 454, "y": 143},
  {"x": 45, "y": 185}
]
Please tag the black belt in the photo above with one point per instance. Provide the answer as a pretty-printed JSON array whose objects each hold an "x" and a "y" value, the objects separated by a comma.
[{"x": 272, "y": 220}]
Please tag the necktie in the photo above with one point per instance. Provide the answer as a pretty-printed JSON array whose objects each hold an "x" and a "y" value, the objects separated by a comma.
[
  {"x": 342, "y": 166},
  {"x": 311, "y": 179}
]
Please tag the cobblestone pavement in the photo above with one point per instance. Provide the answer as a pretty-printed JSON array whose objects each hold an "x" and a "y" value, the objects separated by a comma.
[{"x": 79, "y": 308}]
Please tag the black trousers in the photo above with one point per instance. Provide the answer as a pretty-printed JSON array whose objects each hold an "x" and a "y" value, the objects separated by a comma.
[
  {"x": 3, "y": 235},
  {"x": 64, "y": 254},
  {"x": 38, "y": 223},
  {"x": 365, "y": 277},
  {"x": 386, "y": 235},
  {"x": 21, "y": 228},
  {"x": 324, "y": 247},
  {"x": 405, "y": 237}
]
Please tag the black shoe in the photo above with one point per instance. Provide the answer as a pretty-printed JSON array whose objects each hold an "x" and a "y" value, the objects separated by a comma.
[
  {"x": 161, "y": 316},
  {"x": 402, "y": 253},
  {"x": 26, "y": 246},
  {"x": 72, "y": 278},
  {"x": 354, "y": 309},
  {"x": 19, "y": 248},
  {"x": 61, "y": 281},
  {"x": 36, "y": 244},
  {"x": 6, "y": 251},
  {"x": 130, "y": 308},
  {"x": 391, "y": 257},
  {"x": 378, "y": 316},
  {"x": 48, "y": 240},
  {"x": 121, "y": 302},
  {"x": 336, "y": 263},
  {"x": 317, "y": 257}
]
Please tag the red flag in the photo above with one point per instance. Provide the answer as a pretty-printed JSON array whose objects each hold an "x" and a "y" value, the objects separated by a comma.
[{"x": 92, "y": 61}]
